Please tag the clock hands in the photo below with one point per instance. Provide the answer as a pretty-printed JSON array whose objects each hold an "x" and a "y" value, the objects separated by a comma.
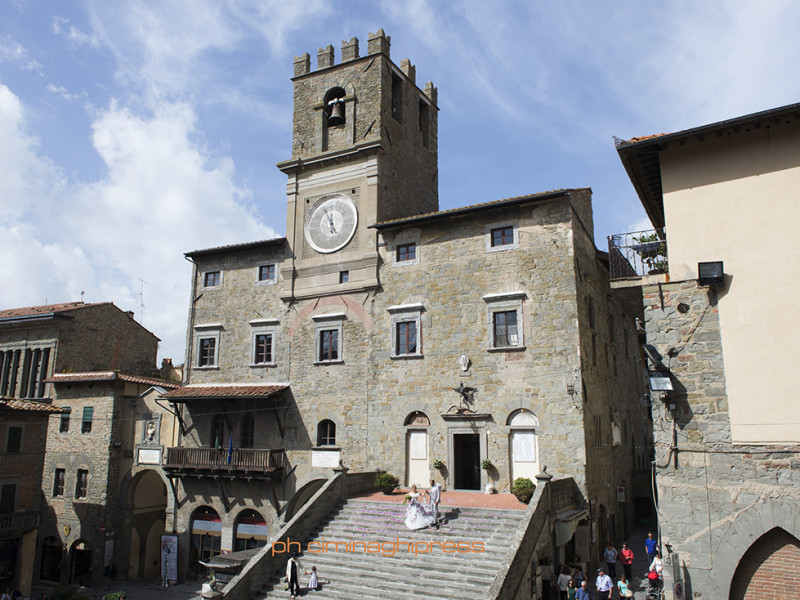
[{"x": 330, "y": 221}]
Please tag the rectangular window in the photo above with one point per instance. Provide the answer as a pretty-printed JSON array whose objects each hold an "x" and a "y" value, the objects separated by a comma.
[
  {"x": 13, "y": 439},
  {"x": 8, "y": 495},
  {"x": 267, "y": 273},
  {"x": 397, "y": 97},
  {"x": 344, "y": 276},
  {"x": 86, "y": 422},
  {"x": 406, "y": 252},
  {"x": 505, "y": 329},
  {"x": 424, "y": 120},
  {"x": 82, "y": 484},
  {"x": 58, "y": 482},
  {"x": 502, "y": 236},
  {"x": 208, "y": 352},
  {"x": 263, "y": 349},
  {"x": 328, "y": 345},
  {"x": 212, "y": 279},
  {"x": 63, "y": 425},
  {"x": 406, "y": 338}
]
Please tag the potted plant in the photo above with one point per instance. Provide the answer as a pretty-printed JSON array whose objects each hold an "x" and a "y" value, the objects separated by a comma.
[
  {"x": 438, "y": 465},
  {"x": 523, "y": 489},
  {"x": 386, "y": 482},
  {"x": 486, "y": 464},
  {"x": 653, "y": 251}
]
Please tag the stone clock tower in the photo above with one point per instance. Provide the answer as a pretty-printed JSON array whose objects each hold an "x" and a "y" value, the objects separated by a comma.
[{"x": 364, "y": 150}]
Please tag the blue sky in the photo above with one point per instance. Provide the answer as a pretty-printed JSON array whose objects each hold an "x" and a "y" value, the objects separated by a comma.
[{"x": 134, "y": 131}]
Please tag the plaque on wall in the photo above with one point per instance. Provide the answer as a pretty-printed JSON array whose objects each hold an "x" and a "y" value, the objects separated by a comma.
[
  {"x": 149, "y": 456},
  {"x": 325, "y": 458}
]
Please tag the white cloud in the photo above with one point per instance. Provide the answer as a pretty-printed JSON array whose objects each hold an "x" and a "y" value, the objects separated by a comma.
[
  {"x": 62, "y": 27},
  {"x": 13, "y": 52},
  {"x": 63, "y": 92},
  {"x": 162, "y": 194}
]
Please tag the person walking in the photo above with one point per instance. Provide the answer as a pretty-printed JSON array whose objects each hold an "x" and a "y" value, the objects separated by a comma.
[
  {"x": 611, "y": 554},
  {"x": 583, "y": 592},
  {"x": 624, "y": 590},
  {"x": 604, "y": 585},
  {"x": 293, "y": 568},
  {"x": 650, "y": 545},
  {"x": 626, "y": 558},
  {"x": 562, "y": 583},
  {"x": 571, "y": 591}
]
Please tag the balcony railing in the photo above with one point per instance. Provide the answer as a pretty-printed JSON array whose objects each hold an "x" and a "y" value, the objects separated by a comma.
[
  {"x": 237, "y": 462},
  {"x": 637, "y": 254},
  {"x": 20, "y": 521}
]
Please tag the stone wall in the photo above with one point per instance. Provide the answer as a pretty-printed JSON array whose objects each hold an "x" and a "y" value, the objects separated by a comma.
[{"x": 715, "y": 499}]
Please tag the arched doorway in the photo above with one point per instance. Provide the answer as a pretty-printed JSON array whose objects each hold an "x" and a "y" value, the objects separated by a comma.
[
  {"x": 523, "y": 444},
  {"x": 764, "y": 572},
  {"x": 206, "y": 541},
  {"x": 250, "y": 531},
  {"x": 148, "y": 500},
  {"x": 52, "y": 551},
  {"x": 80, "y": 570},
  {"x": 417, "y": 469}
]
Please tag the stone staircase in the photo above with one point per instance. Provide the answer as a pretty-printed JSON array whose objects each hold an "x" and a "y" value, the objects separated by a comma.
[{"x": 431, "y": 572}]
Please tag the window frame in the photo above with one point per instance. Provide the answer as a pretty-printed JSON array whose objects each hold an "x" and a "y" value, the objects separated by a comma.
[
  {"x": 81, "y": 484},
  {"x": 204, "y": 332},
  {"x": 263, "y": 327},
  {"x": 505, "y": 302},
  {"x": 59, "y": 484},
  {"x": 324, "y": 438},
  {"x": 216, "y": 285},
  {"x": 408, "y": 248},
  {"x": 406, "y": 313},
  {"x": 247, "y": 431},
  {"x": 270, "y": 281},
  {"x": 86, "y": 423},
  {"x": 63, "y": 422},
  {"x": 333, "y": 323},
  {"x": 492, "y": 227}
]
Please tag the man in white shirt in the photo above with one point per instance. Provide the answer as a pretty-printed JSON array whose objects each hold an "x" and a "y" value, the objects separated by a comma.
[{"x": 604, "y": 585}]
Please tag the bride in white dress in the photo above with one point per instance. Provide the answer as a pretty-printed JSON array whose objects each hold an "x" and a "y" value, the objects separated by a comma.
[{"x": 418, "y": 514}]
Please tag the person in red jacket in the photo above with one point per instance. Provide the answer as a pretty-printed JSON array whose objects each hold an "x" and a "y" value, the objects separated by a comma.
[{"x": 626, "y": 558}]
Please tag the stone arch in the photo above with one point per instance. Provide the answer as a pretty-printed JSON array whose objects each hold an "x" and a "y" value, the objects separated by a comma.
[
  {"x": 732, "y": 538},
  {"x": 417, "y": 418},
  {"x": 301, "y": 496},
  {"x": 80, "y": 562},
  {"x": 523, "y": 446},
  {"x": 249, "y": 530},
  {"x": 333, "y": 302},
  {"x": 52, "y": 553},
  {"x": 205, "y": 530},
  {"x": 768, "y": 568}
]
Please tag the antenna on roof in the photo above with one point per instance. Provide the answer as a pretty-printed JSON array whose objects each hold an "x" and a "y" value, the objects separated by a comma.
[
  {"x": 141, "y": 299},
  {"x": 82, "y": 293}
]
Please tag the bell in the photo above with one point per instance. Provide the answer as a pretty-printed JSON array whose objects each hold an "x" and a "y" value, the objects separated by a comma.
[{"x": 336, "y": 115}]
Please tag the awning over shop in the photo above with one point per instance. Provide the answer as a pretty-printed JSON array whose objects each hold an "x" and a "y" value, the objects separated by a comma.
[{"x": 567, "y": 523}]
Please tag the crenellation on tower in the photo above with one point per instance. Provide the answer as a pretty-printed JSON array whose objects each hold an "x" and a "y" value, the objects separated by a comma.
[
  {"x": 432, "y": 93},
  {"x": 302, "y": 64},
  {"x": 379, "y": 43},
  {"x": 349, "y": 49},
  {"x": 409, "y": 69},
  {"x": 325, "y": 57}
]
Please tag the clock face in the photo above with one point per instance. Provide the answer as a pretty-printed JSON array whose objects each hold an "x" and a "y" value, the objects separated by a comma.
[{"x": 331, "y": 224}]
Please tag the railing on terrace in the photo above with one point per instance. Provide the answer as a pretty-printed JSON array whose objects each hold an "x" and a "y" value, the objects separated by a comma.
[
  {"x": 637, "y": 253},
  {"x": 20, "y": 521},
  {"x": 236, "y": 462}
]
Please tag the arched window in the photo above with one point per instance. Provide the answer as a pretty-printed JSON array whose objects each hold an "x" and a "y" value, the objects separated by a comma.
[
  {"x": 326, "y": 433},
  {"x": 335, "y": 113},
  {"x": 206, "y": 534},
  {"x": 417, "y": 419},
  {"x": 218, "y": 432},
  {"x": 248, "y": 431},
  {"x": 52, "y": 552},
  {"x": 523, "y": 444},
  {"x": 250, "y": 531}
]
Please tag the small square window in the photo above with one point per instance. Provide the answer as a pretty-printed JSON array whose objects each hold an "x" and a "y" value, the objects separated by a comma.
[
  {"x": 207, "y": 356},
  {"x": 212, "y": 279},
  {"x": 13, "y": 439},
  {"x": 502, "y": 236},
  {"x": 406, "y": 252},
  {"x": 263, "y": 349},
  {"x": 82, "y": 484},
  {"x": 328, "y": 345},
  {"x": 267, "y": 273},
  {"x": 86, "y": 422},
  {"x": 344, "y": 276},
  {"x": 58, "y": 482},
  {"x": 505, "y": 329}
]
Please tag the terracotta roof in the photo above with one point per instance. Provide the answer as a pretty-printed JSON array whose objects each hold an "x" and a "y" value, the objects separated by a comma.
[
  {"x": 28, "y": 406},
  {"x": 110, "y": 376},
  {"x": 474, "y": 207},
  {"x": 233, "y": 390},
  {"x": 46, "y": 309},
  {"x": 241, "y": 246}
]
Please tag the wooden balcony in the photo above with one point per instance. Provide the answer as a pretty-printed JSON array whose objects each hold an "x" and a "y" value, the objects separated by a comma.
[
  {"x": 19, "y": 521},
  {"x": 239, "y": 463}
]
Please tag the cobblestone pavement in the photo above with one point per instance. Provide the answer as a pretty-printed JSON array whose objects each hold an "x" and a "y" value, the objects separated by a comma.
[{"x": 137, "y": 589}]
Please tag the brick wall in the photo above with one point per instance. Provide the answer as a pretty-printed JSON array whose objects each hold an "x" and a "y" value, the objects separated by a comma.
[{"x": 768, "y": 569}]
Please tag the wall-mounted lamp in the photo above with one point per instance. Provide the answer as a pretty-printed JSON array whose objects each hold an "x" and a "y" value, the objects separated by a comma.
[
  {"x": 660, "y": 381},
  {"x": 710, "y": 274}
]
